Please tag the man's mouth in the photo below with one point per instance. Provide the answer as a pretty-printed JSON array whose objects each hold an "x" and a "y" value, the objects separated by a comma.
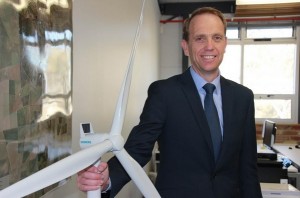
[{"x": 208, "y": 57}]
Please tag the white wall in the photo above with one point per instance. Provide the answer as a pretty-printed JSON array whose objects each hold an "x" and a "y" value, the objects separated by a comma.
[
  {"x": 103, "y": 36},
  {"x": 171, "y": 52}
]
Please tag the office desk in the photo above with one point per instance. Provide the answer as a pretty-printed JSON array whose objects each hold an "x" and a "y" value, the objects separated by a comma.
[
  {"x": 290, "y": 152},
  {"x": 293, "y": 153}
]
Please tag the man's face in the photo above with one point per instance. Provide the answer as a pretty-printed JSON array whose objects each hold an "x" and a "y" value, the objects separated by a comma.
[{"x": 206, "y": 44}]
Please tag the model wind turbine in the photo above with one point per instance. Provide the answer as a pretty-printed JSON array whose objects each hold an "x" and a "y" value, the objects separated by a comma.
[{"x": 96, "y": 146}]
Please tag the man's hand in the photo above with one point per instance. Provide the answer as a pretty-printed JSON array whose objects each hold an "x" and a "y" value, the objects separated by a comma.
[{"x": 93, "y": 177}]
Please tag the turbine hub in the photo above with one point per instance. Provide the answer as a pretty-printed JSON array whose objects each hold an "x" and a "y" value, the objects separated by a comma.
[{"x": 117, "y": 141}]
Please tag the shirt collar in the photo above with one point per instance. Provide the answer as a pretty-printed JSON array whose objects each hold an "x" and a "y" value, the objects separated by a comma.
[{"x": 200, "y": 82}]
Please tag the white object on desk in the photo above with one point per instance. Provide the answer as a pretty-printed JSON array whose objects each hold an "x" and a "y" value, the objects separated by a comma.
[
  {"x": 292, "y": 169},
  {"x": 276, "y": 190}
]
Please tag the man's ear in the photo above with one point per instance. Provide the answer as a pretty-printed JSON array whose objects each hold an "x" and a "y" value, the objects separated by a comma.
[{"x": 185, "y": 47}]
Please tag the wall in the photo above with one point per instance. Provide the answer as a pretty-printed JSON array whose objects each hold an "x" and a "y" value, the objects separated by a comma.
[
  {"x": 103, "y": 37},
  {"x": 284, "y": 133},
  {"x": 171, "y": 52},
  {"x": 35, "y": 87}
]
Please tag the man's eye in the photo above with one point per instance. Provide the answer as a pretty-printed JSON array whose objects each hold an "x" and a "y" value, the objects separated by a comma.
[
  {"x": 200, "y": 38},
  {"x": 218, "y": 38}
]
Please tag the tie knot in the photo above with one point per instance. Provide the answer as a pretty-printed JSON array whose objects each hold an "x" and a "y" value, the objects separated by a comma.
[{"x": 209, "y": 88}]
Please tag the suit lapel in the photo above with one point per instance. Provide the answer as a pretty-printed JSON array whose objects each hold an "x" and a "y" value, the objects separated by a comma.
[
  {"x": 228, "y": 117},
  {"x": 190, "y": 91}
]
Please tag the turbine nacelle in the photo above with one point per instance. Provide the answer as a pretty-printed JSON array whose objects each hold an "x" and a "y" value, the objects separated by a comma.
[{"x": 89, "y": 138}]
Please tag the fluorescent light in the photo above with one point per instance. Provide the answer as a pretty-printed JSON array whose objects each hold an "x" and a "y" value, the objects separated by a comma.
[{"x": 250, "y": 2}]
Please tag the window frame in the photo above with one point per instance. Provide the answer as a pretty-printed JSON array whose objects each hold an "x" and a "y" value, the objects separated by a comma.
[{"x": 295, "y": 39}]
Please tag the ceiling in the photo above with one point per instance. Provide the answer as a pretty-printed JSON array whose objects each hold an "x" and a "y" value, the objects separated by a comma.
[{"x": 183, "y": 8}]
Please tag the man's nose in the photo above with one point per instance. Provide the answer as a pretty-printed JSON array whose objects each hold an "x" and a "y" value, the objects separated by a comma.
[{"x": 209, "y": 43}]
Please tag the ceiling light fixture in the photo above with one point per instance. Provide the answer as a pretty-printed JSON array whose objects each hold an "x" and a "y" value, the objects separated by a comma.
[
  {"x": 258, "y": 8},
  {"x": 251, "y": 2}
]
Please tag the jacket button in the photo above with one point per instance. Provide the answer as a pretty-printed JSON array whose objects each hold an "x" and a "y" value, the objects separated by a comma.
[{"x": 213, "y": 176}]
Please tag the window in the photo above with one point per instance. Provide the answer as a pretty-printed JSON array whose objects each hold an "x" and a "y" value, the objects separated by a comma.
[
  {"x": 270, "y": 32},
  {"x": 233, "y": 33},
  {"x": 265, "y": 60}
]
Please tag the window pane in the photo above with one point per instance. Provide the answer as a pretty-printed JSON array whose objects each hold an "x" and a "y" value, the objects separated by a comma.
[
  {"x": 270, "y": 32},
  {"x": 231, "y": 65},
  {"x": 232, "y": 32},
  {"x": 270, "y": 69},
  {"x": 277, "y": 109}
]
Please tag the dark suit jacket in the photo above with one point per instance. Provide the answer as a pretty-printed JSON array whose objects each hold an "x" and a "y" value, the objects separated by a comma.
[{"x": 173, "y": 115}]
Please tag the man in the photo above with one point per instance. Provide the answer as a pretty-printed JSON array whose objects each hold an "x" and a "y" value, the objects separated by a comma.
[{"x": 175, "y": 117}]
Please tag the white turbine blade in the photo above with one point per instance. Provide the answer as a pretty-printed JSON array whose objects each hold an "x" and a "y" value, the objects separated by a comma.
[
  {"x": 123, "y": 97},
  {"x": 137, "y": 174},
  {"x": 57, "y": 171}
]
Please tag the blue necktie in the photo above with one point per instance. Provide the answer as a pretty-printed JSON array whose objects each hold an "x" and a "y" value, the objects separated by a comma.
[{"x": 212, "y": 118}]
